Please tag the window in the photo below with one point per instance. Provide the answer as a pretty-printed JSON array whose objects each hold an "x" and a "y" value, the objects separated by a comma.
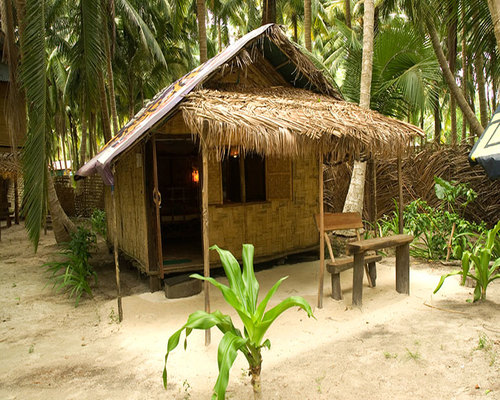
[{"x": 243, "y": 178}]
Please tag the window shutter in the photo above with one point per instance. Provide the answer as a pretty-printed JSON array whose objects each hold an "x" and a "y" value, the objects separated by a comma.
[
  {"x": 278, "y": 178},
  {"x": 214, "y": 182}
]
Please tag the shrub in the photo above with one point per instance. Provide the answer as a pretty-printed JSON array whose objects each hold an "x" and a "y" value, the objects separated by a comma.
[
  {"x": 98, "y": 221},
  {"x": 72, "y": 275}
]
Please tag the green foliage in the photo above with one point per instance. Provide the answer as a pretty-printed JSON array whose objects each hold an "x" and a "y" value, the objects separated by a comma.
[
  {"x": 72, "y": 275},
  {"x": 476, "y": 264},
  {"x": 241, "y": 294},
  {"x": 433, "y": 226},
  {"x": 98, "y": 221}
]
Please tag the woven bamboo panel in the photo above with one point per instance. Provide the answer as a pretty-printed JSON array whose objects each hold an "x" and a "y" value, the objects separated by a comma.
[
  {"x": 131, "y": 207},
  {"x": 89, "y": 196},
  {"x": 275, "y": 226},
  {"x": 65, "y": 194},
  {"x": 214, "y": 182}
]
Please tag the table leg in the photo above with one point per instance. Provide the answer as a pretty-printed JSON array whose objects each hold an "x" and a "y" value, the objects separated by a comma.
[
  {"x": 357, "y": 279},
  {"x": 403, "y": 269}
]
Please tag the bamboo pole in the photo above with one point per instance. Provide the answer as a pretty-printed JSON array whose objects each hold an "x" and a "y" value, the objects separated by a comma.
[
  {"x": 374, "y": 180},
  {"x": 400, "y": 187},
  {"x": 321, "y": 230},
  {"x": 206, "y": 256},
  {"x": 115, "y": 251},
  {"x": 16, "y": 201},
  {"x": 157, "y": 201}
]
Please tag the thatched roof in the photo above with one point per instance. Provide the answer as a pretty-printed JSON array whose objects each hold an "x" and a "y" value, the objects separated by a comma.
[
  {"x": 9, "y": 165},
  {"x": 290, "y": 121}
]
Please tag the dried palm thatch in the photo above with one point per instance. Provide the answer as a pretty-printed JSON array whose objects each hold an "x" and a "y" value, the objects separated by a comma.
[
  {"x": 419, "y": 170},
  {"x": 9, "y": 165},
  {"x": 287, "y": 121}
]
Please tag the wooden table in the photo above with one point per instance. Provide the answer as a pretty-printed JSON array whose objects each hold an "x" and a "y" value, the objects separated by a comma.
[{"x": 360, "y": 247}]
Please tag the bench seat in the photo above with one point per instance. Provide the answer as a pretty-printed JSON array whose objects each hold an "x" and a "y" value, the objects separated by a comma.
[{"x": 343, "y": 264}]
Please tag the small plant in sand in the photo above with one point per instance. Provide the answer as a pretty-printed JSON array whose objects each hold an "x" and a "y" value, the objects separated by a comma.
[
  {"x": 72, "y": 275},
  {"x": 241, "y": 294},
  {"x": 98, "y": 221},
  {"x": 476, "y": 264}
]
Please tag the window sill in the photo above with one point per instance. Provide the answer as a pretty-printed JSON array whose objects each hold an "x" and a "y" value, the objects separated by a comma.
[{"x": 250, "y": 203}]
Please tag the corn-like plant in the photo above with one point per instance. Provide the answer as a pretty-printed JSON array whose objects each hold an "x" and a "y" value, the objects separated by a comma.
[
  {"x": 241, "y": 294},
  {"x": 476, "y": 264}
]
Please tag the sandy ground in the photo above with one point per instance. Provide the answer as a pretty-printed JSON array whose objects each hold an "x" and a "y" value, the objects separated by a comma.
[{"x": 394, "y": 347}]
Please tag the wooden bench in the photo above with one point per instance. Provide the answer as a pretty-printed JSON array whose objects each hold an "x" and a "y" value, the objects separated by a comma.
[
  {"x": 343, "y": 221},
  {"x": 359, "y": 249}
]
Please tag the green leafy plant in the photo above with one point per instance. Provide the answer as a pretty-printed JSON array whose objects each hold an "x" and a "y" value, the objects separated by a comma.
[
  {"x": 98, "y": 221},
  {"x": 73, "y": 274},
  {"x": 241, "y": 294},
  {"x": 476, "y": 264}
]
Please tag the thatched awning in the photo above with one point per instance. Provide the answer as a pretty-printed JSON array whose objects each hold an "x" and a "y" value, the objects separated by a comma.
[
  {"x": 291, "y": 122},
  {"x": 9, "y": 165}
]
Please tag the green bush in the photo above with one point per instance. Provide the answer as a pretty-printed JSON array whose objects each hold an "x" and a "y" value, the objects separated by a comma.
[
  {"x": 72, "y": 275},
  {"x": 98, "y": 221}
]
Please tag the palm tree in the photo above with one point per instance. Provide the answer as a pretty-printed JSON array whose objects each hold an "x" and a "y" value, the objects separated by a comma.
[{"x": 307, "y": 24}]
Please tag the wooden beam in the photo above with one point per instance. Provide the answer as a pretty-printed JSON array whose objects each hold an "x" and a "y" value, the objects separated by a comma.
[
  {"x": 115, "y": 250},
  {"x": 400, "y": 187},
  {"x": 157, "y": 201},
  {"x": 206, "y": 255},
  {"x": 321, "y": 230}
]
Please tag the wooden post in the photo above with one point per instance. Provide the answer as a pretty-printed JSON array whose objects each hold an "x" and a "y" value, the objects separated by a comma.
[
  {"x": 115, "y": 251},
  {"x": 403, "y": 269},
  {"x": 321, "y": 231},
  {"x": 157, "y": 200},
  {"x": 16, "y": 201},
  {"x": 400, "y": 187},
  {"x": 206, "y": 255},
  {"x": 357, "y": 279},
  {"x": 375, "y": 209},
  {"x": 243, "y": 193}
]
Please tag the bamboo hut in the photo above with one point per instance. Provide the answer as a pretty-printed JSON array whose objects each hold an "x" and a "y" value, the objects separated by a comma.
[{"x": 232, "y": 153}]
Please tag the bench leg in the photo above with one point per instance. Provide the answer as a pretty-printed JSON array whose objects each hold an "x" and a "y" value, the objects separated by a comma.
[
  {"x": 336, "y": 290},
  {"x": 372, "y": 273},
  {"x": 357, "y": 279},
  {"x": 403, "y": 269}
]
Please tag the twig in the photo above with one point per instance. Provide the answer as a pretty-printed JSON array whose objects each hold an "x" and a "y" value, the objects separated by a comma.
[
  {"x": 445, "y": 309},
  {"x": 491, "y": 329}
]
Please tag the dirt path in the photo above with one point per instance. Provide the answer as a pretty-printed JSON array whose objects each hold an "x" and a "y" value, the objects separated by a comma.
[{"x": 395, "y": 347}]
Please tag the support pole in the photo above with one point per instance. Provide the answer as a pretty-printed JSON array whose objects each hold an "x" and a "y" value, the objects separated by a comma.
[
  {"x": 375, "y": 209},
  {"x": 16, "y": 201},
  {"x": 400, "y": 187},
  {"x": 115, "y": 251},
  {"x": 206, "y": 255},
  {"x": 321, "y": 230},
  {"x": 157, "y": 201}
]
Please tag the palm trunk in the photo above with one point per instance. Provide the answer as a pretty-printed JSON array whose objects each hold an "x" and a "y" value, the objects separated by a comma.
[
  {"x": 111, "y": 85},
  {"x": 495, "y": 17},
  {"x": 83, "y": 145},
  {"x": 61, "y": 224},
  {"x": 465, "y": 72},
  {"x": 202, "y": 30},
  {"x": 307, "y": 24},
  {"x": 452, "y": 58},
  {"x": 268, "y": 11},
  {"x": 347, "y": 6},
  {"x": 481, "y": 85},
  {"x": 106, "y": 127},
  {"x": 437, "y": 120},
  {"x": 295, "y": 28},
  {"x": 475, "y": 126}
]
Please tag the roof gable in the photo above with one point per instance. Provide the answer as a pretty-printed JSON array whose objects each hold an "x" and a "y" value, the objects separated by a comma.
[{"x": 267, "y": 41}]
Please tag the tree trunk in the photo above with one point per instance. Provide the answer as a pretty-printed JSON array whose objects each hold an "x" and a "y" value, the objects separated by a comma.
[
  {"x": 295, "y": 28},
  {"x": 268, "y": 11},
  {"x": 495, "y": 17},
  {"x": 347, "y": 7},
  {"x": 481, "y": 86},
  {"x": 111, "y": 84},
  {"x": 61, "y": 224},
  {"x": 465, "y": 72},
  {"x": 355, "y": 195},
  {"x": 450, "y": 80},
  {"x": 452, "y": 58},
  {"x": 83, "y": 144},
  {"x": 437, "y": 120},
  {"x": 202, "y": 30},
  {"x": 106, "y": 127},
  {"x": 307, "y": 25},
  {"x": 257, "y": 390}
]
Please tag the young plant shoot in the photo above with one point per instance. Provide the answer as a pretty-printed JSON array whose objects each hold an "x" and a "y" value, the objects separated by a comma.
[{"x": 241, "y": 294}]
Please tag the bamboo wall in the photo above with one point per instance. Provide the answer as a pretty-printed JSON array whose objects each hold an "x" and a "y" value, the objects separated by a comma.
[
  {"x": 274, "y": 227},
  {"x": 130, "y": 207}
]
